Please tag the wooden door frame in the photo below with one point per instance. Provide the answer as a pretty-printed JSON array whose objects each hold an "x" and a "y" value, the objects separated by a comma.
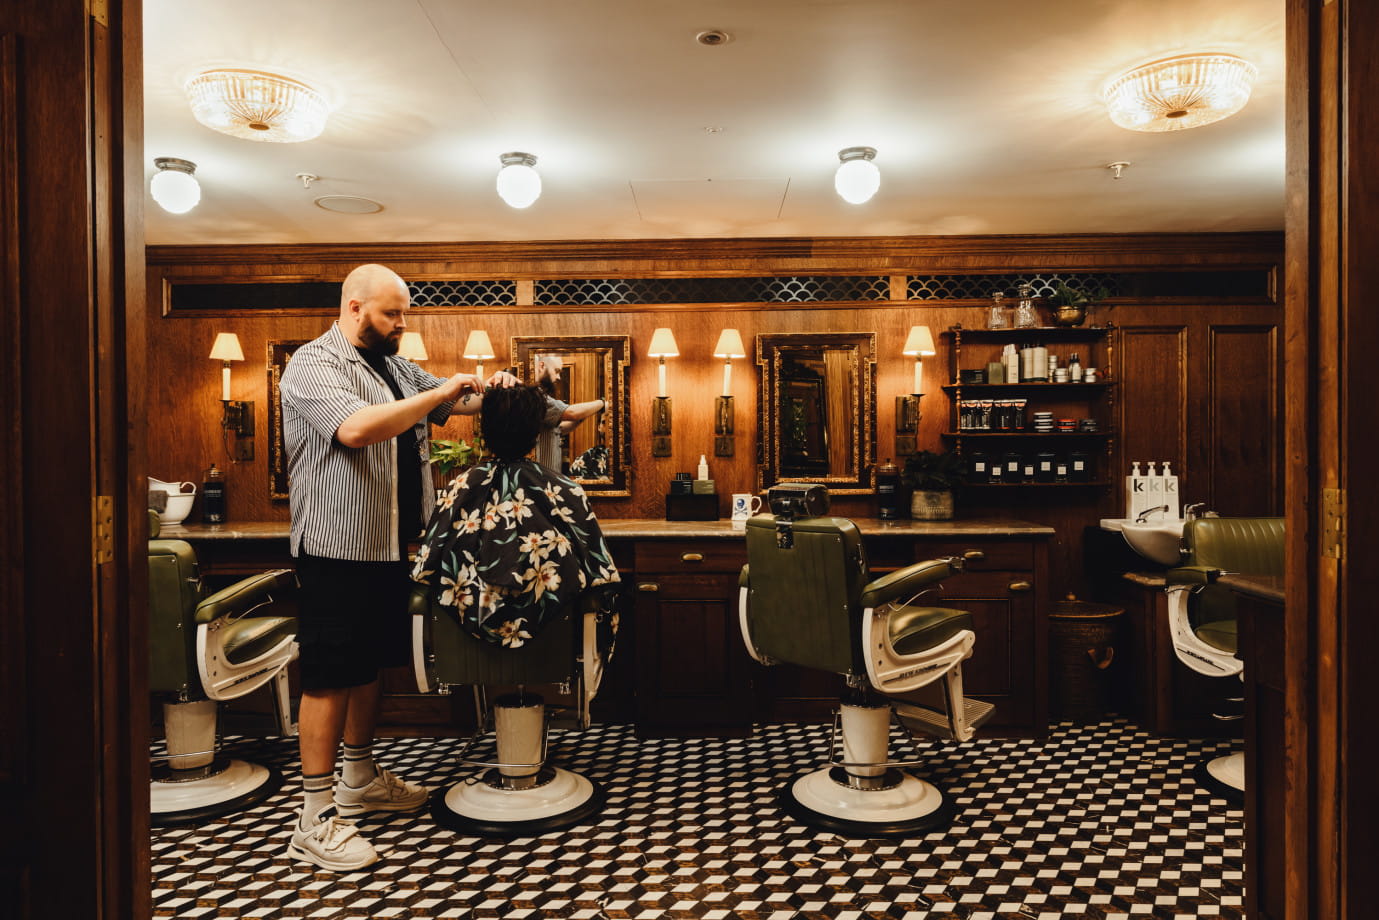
[{"x": 1333, "y": 543}]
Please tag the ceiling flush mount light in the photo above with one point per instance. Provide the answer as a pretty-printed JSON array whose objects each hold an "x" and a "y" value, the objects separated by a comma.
[
  {"x": 519, "y": 184},
  {"x": 257, "y": 106},
  {"x": 857, "y": 178},
  {"x": 174, "y": 187},
  {"x": 1180, "y": 92}
]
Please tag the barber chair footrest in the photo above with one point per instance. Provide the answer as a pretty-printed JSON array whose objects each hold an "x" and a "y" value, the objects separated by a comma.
[
  {"x": 239, "y": 786},
  {"x": 477, "y": 808},
  {"x": 911, "y": 808},
  {"x": 1224, "y": 777},
  {"x": 919, "y": 719}
]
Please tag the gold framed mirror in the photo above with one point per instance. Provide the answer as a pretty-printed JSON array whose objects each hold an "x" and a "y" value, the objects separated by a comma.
[
  {"x": 595, "y": 452},
  {"x": 817, "y": 409}
]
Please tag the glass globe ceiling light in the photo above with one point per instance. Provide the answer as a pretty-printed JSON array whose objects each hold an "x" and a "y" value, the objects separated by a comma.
[
  {"x": 173, "y": 186},
  {"x": 857, "y": 178},
  {"x": 1180, "y": 92},
  {"x": 257, "y": 106},
  {"x": 519, "y": 184}
]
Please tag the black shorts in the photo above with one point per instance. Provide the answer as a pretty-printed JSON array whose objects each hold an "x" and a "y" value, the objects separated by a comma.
[{"x": 352, "y": 620}]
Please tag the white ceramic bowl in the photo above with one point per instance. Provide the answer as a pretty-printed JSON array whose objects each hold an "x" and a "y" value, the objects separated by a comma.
[{"x": 179, "y": 506}]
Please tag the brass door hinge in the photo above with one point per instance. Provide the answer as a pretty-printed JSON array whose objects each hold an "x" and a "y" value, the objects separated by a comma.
[
  {"x": 1333, "y": 523},
  {"x": 103, "y": 529}
]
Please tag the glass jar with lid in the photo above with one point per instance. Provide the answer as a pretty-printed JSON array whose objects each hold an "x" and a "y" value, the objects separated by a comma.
[
  {"x": 998, "y": 315},
  {"x": 1025, "y": 315}
]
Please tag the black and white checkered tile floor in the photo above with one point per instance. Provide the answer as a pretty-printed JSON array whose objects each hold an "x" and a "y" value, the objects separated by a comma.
[{"x": 1096, "y": 821}]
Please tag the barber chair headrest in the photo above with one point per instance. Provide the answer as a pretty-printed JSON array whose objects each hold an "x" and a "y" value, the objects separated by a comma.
[{"x": 792, "y": 500}]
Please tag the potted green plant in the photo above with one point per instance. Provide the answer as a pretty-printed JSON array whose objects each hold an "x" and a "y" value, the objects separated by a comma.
[
  {"x": 449, "y": 457},
  {"x": 934, "y": 477},
  {"x": 1072, "y": 305}
]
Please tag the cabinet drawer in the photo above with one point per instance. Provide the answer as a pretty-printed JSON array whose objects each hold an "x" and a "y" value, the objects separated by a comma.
[
  {"x": 677, "y": 557},
  {"x": 980, "y": 555},
  {"x": 982, "y": 584}
]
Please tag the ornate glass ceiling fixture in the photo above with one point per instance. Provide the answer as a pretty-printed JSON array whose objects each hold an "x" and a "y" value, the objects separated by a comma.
[
  {"x": 257, "y": 106},
  {"x": 1180, "y": 92}
]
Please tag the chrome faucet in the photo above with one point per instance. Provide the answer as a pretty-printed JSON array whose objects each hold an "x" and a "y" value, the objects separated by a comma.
[
  {"x": 1193, "y": 511},
  {"x": 1144, "y": 515}
]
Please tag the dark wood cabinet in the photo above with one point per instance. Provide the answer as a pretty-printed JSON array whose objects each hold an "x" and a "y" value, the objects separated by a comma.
[{"x": 691, "y": 665}]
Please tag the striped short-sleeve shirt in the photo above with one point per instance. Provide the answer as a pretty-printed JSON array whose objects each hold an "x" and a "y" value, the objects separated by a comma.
[{"x": 344, "y": 499}]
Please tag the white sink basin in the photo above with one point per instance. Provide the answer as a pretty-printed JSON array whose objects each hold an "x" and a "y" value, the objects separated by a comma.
[{"x": 1157, "y": 541}]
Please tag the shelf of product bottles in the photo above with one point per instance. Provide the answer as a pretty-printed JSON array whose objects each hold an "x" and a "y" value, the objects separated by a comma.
[
  {"x": 1052, "y": 435},
  {"x": 1064, "y": 333},
  {"x": 1093, "y": 483},
  {"x": 1031, "y": 386}
]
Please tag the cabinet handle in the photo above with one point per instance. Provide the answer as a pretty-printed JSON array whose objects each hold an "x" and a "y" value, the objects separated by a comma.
[
  {"x": 1016, "y": 586},
  {"x": 974, "y": 555},
  {"x": 691, "y": 557},
  {"x": 649, "y": 587}
]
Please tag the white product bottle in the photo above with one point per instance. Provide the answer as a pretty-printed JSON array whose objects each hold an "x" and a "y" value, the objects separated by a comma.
[
  {"x": 1154, "y": 491},
  {"x": 1175, "y": 508},
  {"x": 1134, "y": 492},
  {"x": 703, "y": 467},
  {"x": 1011, "y": 357},
  {"x": 1040, "y": 363}
]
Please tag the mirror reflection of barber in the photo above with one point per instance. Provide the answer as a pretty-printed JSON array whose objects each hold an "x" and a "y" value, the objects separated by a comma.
[{"x": 561, "y": 417}]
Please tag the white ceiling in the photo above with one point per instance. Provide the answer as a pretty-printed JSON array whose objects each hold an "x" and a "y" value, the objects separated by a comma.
[{"x": 986, "y": 115}]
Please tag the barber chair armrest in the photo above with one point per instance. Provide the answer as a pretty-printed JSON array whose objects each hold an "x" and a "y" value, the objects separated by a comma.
[
  {"x": 904, "y": 584},
  {"x": 247, "y": 594},
  {"x": 742, "y": 580},
  {"x": 1191, "y": 575}
]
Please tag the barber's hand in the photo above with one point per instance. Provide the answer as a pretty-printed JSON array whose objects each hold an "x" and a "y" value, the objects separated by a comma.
[
  {"x": 461, "y": 383},
  {"x": 503, "y": 379}
]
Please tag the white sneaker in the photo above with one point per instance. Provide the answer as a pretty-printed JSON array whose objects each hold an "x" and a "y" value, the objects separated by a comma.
[
  {"x": 387, "y": 792},
  {"x": 333, "y": 843}
]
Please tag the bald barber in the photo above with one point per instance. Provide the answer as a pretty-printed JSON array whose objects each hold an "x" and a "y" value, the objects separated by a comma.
[{"x": 358, "y": 452}]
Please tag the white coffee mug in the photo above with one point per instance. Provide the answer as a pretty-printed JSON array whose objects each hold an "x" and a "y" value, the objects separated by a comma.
[{"x": 744, "y": 506}]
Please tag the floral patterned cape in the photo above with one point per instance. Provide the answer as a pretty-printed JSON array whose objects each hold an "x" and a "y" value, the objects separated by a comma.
[{"x": 510, "y": 544}]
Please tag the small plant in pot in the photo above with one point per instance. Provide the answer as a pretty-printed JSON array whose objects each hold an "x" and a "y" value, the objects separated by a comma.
[
  {"x": 450, "y": 457},
  {"x": 934, "y": 477},
  {"x": 1072, "y": 306}
]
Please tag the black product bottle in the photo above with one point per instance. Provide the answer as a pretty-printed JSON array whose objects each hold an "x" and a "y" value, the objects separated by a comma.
[
  {"x": 887, "y": 491},
  {"x": 213, "y": 496}
]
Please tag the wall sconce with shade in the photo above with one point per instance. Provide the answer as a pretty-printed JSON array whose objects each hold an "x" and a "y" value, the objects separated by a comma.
[
  {"x": 920, "y": 344},
  {"x": 412, "y": 347},
  {"x": 729, "y": 347},
  {"x": 238, "y": 415},
  {"x": 477, "y": 347},
  {"x": 662, "y": 346}
]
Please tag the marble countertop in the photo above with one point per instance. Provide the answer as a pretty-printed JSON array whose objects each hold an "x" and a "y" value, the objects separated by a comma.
[{"x": 619, "y": 528}]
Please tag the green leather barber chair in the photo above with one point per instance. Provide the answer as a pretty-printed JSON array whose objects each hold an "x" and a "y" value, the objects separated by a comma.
[
  {"x": 204, "y": 650},
  {"x": 1201, "y": 613},
  {"x": 808, "y": 598},
  {"x": 520, "y": 792}
]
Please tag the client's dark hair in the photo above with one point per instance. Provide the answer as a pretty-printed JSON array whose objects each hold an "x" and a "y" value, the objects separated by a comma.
[{"x": 511, "y": 418}]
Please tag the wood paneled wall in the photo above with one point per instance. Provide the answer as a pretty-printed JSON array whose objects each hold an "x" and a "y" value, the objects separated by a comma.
[{"x": 1198, "y": 380}]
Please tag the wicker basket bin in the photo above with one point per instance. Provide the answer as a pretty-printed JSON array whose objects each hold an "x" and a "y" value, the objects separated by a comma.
[{"x": 1082, "y": 652}]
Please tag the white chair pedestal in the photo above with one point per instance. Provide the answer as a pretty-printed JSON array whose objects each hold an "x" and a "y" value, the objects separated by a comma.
[
  {"x": 193, "y": 785},
  {"x": 1224, "y": 777},
  {"x": 865, "y": 795},
  {"x": 519, "y": 795}
]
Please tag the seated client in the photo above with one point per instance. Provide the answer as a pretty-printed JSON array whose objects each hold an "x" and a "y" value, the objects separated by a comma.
[{"x": 511, "y": 542}]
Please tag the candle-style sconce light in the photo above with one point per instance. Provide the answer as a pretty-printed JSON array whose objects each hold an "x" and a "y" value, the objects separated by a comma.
[
  {"x": 477, "y": 347},
  {"x": 237, "y": 415},
  {"x": 920, "y": 344},
  {"x": 662, "y": 346},
  {"x": 729, "y": 347},
  {"x": 412, "y": 347}
]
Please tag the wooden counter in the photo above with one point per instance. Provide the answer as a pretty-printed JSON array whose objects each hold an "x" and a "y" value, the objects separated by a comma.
[{"x": 681, "y": 665}]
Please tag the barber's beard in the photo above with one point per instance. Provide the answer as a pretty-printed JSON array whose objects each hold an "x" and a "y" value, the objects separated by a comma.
[
  {"x": 377, "y": 342},
  {"x": 547, "y": 384}
]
